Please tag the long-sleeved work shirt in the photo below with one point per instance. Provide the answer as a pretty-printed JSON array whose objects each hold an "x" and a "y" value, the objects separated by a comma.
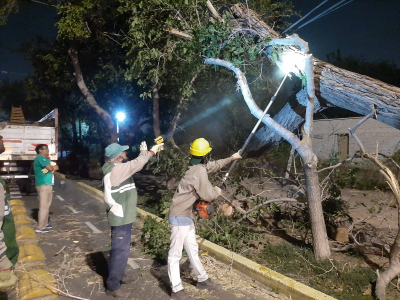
[
  {"x": 120, "y": 191},
  {"x": 194, "y": 186}
]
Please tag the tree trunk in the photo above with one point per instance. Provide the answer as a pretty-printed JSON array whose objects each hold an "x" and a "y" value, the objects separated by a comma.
[
  {"x": 73, "y": 53},
  {"x": 156, "y": 111},
  {"x": 303, "y": 147},
  {"x": 393, "y": 270},
  {"x": 320, "y": 238},
  {"x": 174, "y": 122},
  {"x": 333, "y": 86}
]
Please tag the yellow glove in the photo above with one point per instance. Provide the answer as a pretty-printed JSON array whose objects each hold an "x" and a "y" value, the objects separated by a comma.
[
  {"x": 7, "y": 279},
  {"x": 157, "y": 148}
]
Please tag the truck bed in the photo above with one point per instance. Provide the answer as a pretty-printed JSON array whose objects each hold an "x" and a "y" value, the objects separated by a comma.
[{"x": 20, "y": 141}]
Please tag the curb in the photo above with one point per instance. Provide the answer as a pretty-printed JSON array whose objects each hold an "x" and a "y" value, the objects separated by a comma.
[
  {"x": 285, "y": 285},
  {"x": 30, "y": 259}
]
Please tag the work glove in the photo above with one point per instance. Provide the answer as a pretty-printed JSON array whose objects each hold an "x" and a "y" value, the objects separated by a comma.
[
  {"x": 143, "y": 146},
  {"x": 45, "y": 171},
  {"x": 157, "y": 148},
  {"x": 217, "y": 190},
  {"x": 236, "y": 156},
  {"x": 7, "y": 279}
]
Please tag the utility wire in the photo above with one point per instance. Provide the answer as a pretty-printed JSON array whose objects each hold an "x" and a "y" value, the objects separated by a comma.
[
  {"x": 325, "y": 12},
  {"x": 305, "y": 16}
]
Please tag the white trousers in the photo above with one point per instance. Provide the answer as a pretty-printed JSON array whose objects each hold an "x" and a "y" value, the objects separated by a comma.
[{"x": 183, "y": 236}]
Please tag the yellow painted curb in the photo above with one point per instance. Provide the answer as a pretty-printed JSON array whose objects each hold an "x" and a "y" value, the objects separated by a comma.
[
  {"x": 36, "y": 284},
  {"x": 286, "y": 286},
  {"x": 18, "y": 209},
  {"x": 29, "y": 253},
  {"x": 21, "y": 219},
  {"x": 99, "y": 195},
  {"x": 15, "y": 202},
  {"x": 24, "y": 232}
]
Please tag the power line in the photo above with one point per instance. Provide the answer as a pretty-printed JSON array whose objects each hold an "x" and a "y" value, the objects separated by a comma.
[
  {"x": 322, "y": 14},
  {"x": 328, "y": 11},
  {"x": 301, "y": 19}
]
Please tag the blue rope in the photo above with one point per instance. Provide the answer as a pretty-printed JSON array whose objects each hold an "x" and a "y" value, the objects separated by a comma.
[
  {"x": 305, "y": 16},
  {"x": 324, "y": 13}
]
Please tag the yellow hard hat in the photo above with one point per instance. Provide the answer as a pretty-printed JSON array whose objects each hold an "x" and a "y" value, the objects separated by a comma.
[{"x": 200, "y": 147}]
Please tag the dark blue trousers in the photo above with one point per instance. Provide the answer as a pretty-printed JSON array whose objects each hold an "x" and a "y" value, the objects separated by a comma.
[{"x": 120, "y": 246}]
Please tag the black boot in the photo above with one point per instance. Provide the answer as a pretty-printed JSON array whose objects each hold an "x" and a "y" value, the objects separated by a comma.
[
  {"x": 118, "y": 294},
  {"x": 180, "y": 295},
  {"x": 209, "y": 285}
]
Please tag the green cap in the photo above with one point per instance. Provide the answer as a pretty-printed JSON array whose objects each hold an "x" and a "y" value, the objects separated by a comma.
[{"x": 113, "y": 150}]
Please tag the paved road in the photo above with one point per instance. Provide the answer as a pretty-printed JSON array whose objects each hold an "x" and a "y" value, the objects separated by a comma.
[{"x": 80, "y": 225}]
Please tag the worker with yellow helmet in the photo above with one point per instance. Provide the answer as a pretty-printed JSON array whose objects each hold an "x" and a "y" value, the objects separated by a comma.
[{"x": 193, "y": 186}]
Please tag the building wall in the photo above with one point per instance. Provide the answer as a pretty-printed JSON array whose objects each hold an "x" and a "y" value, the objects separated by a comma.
[{"x": 370, "y": 133}]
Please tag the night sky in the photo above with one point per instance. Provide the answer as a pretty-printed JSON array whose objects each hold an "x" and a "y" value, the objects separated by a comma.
[{"x": 369, "y": 28}]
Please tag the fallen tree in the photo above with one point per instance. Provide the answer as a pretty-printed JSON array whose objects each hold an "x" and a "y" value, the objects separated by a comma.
[{"x": 333, "y": 86}]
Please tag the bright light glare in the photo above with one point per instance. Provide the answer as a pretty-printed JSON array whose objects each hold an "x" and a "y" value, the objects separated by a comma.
[
  {"x": 120, "y": 116},
  {"x": 292, "y": 62}
]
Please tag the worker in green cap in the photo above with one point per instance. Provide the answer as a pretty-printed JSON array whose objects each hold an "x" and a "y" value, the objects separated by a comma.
[{"x": 121, "y": 197}]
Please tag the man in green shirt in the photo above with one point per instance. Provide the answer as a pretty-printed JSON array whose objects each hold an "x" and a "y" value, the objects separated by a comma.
[
  {"x": 44, "y": 176},
  {"x": 121, "y": 196}
]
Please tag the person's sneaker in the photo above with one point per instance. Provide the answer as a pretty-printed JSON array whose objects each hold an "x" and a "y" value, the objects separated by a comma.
[
  {"x": 180, "y": 295},
  {"x": 45, "y": 230},
  {"x": 209, "y": 285},
  {"x": 118, "y": 294},
  {"x": 49, "y": 226}
]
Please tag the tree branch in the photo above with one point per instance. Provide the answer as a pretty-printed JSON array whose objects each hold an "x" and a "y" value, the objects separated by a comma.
[
  {"x": 180, "y": 34},
  {"x": 269, "y": 202},
  {"x": 254, "y": 109}
]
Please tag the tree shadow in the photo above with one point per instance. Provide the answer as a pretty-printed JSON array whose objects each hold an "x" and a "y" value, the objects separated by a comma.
[
  {"x": 98, "y": 263},
  {"x": 290, "y": 239}
]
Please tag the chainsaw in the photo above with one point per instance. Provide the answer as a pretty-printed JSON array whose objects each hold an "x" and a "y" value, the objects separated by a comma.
[{"x": 203, "y": 209}]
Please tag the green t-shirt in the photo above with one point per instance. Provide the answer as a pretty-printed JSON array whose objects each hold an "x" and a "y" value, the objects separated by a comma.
[{"x": 38, "y": 165}]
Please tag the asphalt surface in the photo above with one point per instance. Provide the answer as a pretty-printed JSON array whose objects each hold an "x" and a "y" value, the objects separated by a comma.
[{"x": 81, "y": 231}]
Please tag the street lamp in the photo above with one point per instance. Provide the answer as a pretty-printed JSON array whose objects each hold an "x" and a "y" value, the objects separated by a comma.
[{"x": 120, "y": 118}]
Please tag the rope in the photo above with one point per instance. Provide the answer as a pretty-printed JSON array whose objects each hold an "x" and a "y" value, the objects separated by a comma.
[
  {"x": 305, "y": 16},
  {"x": 328, "y": 11}
]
